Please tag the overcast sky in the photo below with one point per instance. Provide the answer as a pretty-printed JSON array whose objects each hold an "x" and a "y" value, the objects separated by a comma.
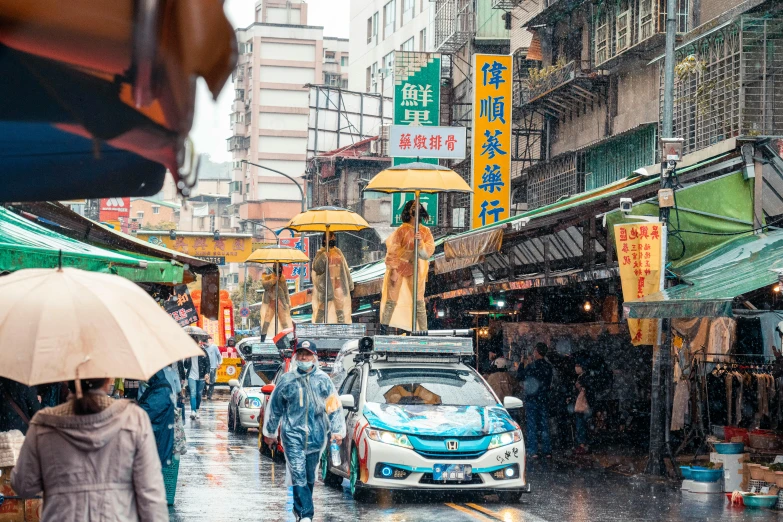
[{"x": 211, "y": 123}]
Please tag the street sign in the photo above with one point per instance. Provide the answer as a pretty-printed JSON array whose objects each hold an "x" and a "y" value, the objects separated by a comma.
[
  {"x": 244, "y": 311},
  {"x": 427, "y": 142},
  {"x": 228, "y": 248},
  {"x": 113, "y": 208},
  {"x": 428, "y": 201}
]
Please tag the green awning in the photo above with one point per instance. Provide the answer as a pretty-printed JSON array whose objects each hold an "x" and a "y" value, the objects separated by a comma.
[
  {"x": 711, "y": 283},
  {"x": 156, "y": 270}
]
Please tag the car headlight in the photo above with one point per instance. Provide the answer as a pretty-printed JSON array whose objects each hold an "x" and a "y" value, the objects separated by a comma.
[
  {"x": 252, "y": 402},
  {"x": 388, "y": 437},
  {"x": 504, "y": 439}
]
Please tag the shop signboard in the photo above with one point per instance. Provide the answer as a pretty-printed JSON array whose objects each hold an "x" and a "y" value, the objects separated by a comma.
[
  {"x": 292, "y": 271},
  {"x": 640, "y": 261},
  {"x": 491, "y": 144},
  {"x": 111, "y": 209},
  {"x": 180, "y": 306},
  {"x": 229, "y": 248},
  {"x": 416, "y": 101},
  {"x": 428, "y": 201},
  {"x": 428, "y": 142}
]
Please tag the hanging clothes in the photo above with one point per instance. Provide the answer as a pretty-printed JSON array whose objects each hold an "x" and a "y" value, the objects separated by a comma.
[{"x": 681, "y": 406}]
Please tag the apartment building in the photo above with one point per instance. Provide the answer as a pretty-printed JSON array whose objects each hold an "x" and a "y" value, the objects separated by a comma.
[
  {"x": 151, "y": 213},
  {"x": 589, "y": 77},
  {"x": 378, "y": 28},
  {"x": 336, "y": 58}
]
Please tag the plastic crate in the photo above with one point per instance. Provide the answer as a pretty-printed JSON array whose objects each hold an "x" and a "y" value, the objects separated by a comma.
[
  {"x": 170, "y": 474},
  {"x": 779, "y": 505}
]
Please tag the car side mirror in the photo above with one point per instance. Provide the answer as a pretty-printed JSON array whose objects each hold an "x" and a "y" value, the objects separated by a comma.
[
  {"x": 512, "y": 403},
  {"x": 267, "y": 389},
  {"x": 348, "y": 402},
  {"x": 233, "y": 383}
]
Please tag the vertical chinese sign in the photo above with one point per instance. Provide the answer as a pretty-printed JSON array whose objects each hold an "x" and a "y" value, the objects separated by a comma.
[
  {"x": 416, "y": 102},
  {"x": 639, "y": 257},
  {"x": 491, "y": 142},
  {"x": 292, "y": 271}
]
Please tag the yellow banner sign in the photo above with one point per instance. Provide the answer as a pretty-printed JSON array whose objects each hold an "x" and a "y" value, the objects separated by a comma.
[
  {"x": 491, "y": 141},
  {"x": 639, "y": 257},
  {"x": 227, "y": 249}
]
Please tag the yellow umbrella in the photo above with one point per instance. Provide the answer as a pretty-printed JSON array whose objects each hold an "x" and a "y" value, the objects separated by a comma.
[
  {"x": 277, "y": 254},
  {"x": 68, "y": 324},
  {"x": 417, "y": 177},
  {"x": 327, "y": 219}
]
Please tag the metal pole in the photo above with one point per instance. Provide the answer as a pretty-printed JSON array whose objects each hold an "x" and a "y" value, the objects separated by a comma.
[
  {"x": 668, "y": 67},
  {"x": 416, "y": 260},
  {"x": 277, "y": 298},
  {"x": 326, "y": 283}
]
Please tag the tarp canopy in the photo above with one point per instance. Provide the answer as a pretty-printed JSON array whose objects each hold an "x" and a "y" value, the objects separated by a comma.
[
  {"x": 711, "y": 283},
  {"x": 24, "y": 244}
]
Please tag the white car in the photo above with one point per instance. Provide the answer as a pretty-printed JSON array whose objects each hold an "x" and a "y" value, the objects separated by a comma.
[
  {"x": 419, "y": 418},
  {"x": 246, "y": 392}
]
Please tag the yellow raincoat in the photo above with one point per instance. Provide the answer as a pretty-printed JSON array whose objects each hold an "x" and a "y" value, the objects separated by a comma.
[
  {"x": 268, "y": 306},
  {"x": 397, "y": 295},
  {"x": 340, "y": 287}
]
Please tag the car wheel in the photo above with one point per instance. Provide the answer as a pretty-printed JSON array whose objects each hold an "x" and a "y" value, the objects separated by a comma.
[
  {"x": 238, "y": 428},
  {"x": 358, "y": 491},
  {"x": 509, "y": 497},
  {"x": 329, "y": 478},
  {"x": 230, "y": 419}
]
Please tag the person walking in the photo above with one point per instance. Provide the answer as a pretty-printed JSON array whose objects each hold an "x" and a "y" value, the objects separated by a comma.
[
  {"x": 94, "y": 458},
  {"x": 307, "y": 406},
  {"x": 157, "y": 400},
  {"x": 196, "y": 370},
  {"x": 215, "y": 360},
  {"x": 537, "y": 379},
  {"x": 501, "y": 381}
]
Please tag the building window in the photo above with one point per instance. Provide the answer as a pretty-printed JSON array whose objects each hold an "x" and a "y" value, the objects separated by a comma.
[
  {"x": 407, "y": 11},
  {"x": 156, "y": 210},
  {"x": 330, "y": 57},
  {"x": 140, "y": 215},
  {"x": 372, "y": 29},
  {"x": 388, "y": 66},
  {"x": 423, "y": 40},
  {"x": 368, "y": 82},
  {"x": 389, "y": 12},
  {"x": 602, "y": 38},
  {"x": 344, "y": 84},
  {"x": 343, "y": 61},
  {"x": 407, "y": 45},
  {"x": 374, "y": 77},
  {"x": 623, "y": 26}
]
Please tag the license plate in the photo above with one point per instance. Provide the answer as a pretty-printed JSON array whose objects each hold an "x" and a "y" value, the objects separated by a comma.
[{"x": 451, "y": 472}]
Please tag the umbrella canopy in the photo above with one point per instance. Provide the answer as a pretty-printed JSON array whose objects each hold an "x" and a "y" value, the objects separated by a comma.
[
  {"x": 195, "y": 330},
  {"x": 277, "y": 254},
  {"x": 58, "y": 321},
  {"x": 321, "y": 219},
  {"x": 416, "y": 176}
]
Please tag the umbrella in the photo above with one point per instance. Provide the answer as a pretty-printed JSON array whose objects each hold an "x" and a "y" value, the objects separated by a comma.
[
  {"x": 195, "y": 331},
  {"x": 277, "y": 254},
  {"x": 327, "y": 219},
  {"x": 68, "y": 324},
  {"x": 417, "y": 177}
]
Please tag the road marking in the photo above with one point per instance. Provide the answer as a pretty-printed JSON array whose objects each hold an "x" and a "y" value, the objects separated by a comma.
[{"x": 466, "y": 510}]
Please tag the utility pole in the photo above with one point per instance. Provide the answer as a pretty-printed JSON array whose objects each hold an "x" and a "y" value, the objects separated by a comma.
[{"x": 660, "y": 397}]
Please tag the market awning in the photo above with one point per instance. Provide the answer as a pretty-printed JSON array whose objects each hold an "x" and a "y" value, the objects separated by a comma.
[{"x": 711, "y": 283}]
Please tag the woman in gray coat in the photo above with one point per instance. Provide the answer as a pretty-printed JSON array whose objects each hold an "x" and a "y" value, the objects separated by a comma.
[{"x": 94, "y": 458}]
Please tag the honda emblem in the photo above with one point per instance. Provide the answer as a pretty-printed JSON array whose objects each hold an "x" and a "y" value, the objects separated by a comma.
[{"x": 452, "y": 445}]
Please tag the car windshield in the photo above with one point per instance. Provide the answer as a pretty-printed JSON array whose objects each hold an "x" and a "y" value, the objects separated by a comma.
[
  {"x": 259, "y": 374},
  {"x": 435, "y": 386}
]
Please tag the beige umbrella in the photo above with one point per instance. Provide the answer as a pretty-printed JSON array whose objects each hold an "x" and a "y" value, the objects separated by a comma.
[{"x": 66, "y": 324}]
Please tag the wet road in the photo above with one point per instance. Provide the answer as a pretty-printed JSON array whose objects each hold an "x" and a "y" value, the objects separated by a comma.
[{"x": 224, "y": 478}]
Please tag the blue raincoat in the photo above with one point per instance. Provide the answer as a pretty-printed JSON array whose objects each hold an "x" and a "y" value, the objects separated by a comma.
[
  {"x": 309, "y": 409},
  {"x": 156, "y": 401}
]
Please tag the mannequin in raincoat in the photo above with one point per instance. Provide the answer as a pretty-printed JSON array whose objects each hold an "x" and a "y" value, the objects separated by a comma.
[
  {"x": 306, "y": 403},
  {"x": 339, "y": 285},
  {"x": 397, "y": 297},
  {"x": 275, "y": 283}
]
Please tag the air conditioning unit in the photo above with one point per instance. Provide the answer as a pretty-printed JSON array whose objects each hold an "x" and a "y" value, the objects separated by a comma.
[{"x": 374, "y": 147}]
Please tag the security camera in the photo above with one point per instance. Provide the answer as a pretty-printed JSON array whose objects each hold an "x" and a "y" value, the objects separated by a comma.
[{"x": 626, "y": 205}]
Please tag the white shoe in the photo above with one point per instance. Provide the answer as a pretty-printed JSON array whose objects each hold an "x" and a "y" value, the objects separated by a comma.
[
  {"x": 306, "y": 520},
  {"x": 197, "y": 416},
  {"x": 192, "y": 415}
]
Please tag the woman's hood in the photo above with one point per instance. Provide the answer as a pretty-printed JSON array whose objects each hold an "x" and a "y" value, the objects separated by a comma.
[{"x": 90, "y": 432}]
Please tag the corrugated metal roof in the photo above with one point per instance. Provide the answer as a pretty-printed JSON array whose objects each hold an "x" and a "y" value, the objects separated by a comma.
[{"x": 711, "y": 284}]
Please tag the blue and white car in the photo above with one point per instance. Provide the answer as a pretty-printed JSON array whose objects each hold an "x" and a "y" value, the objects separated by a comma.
[
  {"x": 261, "y": 362},
  {"x": 419, "y": 418}
]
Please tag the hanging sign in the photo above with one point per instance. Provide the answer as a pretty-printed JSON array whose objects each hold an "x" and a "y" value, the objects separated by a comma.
[
  {"x": 292, "y": 271},
  {"x": 180, "y": 306},
  {"x": 428, "y": 142},
  {"x": 112, "y": 209},
  {"x": 491, "y": 143},
  {"x": 639, "y": 257}
]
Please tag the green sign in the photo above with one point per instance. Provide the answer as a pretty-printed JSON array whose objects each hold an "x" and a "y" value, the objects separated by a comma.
[{"x": 428, "y": 201}]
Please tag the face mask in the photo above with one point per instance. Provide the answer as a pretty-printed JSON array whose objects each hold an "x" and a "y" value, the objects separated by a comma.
[{"x": 304, "y": 366}]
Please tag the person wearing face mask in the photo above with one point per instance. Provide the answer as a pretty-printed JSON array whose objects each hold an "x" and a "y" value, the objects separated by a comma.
[
  {"x": 276, "y": 304},
  {"x": 338, "y": 285},
  {"x": 307, "y": 406},
  {"x": 398, "y": 292}
]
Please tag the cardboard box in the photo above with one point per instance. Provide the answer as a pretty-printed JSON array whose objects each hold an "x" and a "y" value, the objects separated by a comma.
[{"x": 733, "y": 466}]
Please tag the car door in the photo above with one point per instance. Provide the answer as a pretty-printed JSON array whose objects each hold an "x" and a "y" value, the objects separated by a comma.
[
  {"x": 235, "y": 393},
  {"x": 351, "y": 386}
]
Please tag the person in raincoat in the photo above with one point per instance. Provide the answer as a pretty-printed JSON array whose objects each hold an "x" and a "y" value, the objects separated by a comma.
[
  {"x": 339, "y": 285},
  {"x": 306, "y": 403},
  {"x": 275, "y": 284},
  {"x": 157, "y": 401},
  {"x": 397, "y": 296}
]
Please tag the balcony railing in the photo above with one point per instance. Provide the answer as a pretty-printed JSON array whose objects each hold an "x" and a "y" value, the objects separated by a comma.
[
  {"x": 238, "y": 143},
  {"x": 562, "y": 89},
  {"x": 455, "y": 24}
]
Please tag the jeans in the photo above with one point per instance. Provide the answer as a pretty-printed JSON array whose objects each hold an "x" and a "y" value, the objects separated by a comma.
[
  {"x": 196, "y": 389},
  {"x": 537, "y": 420},
  {"x": 181, "y": 406},
  {"x": 211, "y": 388},
  {"x": 303, "y": 495},
  {"x": 580, "y": 420}
]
